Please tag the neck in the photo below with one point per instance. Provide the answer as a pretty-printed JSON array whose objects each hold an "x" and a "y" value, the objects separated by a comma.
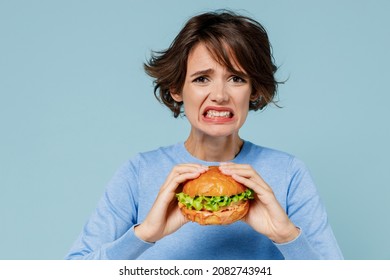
[{"x": 217, "y": 149}]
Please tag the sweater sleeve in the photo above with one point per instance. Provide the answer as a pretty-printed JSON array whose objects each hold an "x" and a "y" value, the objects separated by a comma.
[
  {"x": 109, "y": 232},
  {"x": 306, "y": 210}
]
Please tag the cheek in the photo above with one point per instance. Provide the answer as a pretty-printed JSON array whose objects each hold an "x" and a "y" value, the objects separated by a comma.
[
  {"x": 191, "y": 107},
  {"x": 243, "y": 104},
  {"x": 192, "y": 99}
]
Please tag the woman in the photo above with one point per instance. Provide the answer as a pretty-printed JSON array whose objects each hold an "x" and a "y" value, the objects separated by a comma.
[{"x": 217, "y": 69}]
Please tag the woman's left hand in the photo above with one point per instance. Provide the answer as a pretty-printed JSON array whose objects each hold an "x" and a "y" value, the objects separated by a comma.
[{"x": 265, "y": 215}]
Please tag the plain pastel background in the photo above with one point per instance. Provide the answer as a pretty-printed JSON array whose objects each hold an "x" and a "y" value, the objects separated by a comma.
[{"x": 75, "y": 104}]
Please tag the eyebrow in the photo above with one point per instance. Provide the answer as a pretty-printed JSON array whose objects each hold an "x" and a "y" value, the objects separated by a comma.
[
  {"x": 209, "y": 71},
  {"x": 202, "y": 72}
]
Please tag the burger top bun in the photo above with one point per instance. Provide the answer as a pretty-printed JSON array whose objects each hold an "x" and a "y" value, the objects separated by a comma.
[{"x": 213, "y": 183}]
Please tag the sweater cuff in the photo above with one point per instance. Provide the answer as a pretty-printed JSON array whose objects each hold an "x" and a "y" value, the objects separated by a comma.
[
  {"x": 297, "y": 249},
  {"x": 128, "y": 246}
]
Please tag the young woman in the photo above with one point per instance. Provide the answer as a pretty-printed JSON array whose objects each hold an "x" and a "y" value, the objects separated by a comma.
[{"x": 218, "y": 68}]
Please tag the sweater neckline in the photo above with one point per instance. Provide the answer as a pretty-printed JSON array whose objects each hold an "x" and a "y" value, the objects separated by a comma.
[{"x": 188, "y": 157}]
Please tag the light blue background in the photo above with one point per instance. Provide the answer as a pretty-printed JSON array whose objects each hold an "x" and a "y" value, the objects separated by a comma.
[{"x": 75, "y": 103}]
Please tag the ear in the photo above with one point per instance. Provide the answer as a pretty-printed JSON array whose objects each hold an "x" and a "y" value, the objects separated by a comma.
[
  {"x": 255, "y": 96},
  {"x": 175, "y": 95}
]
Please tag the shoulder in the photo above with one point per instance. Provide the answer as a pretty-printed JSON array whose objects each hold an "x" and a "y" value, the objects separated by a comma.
[
  {"x": 142, "y": 164},
  {"x": 261, "y": 153},
  {"x": 160, "y": 154},
  {"x": 287, "y": 174},
  {"x": 271, "y": 159},
  {"x": 153, "y": 160}
]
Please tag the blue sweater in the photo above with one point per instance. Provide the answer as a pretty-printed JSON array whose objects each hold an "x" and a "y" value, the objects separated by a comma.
[{"x": 109, "y": 233}]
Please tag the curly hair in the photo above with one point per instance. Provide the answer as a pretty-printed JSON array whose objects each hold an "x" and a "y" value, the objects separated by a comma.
[{"x": 223, "y": 33}]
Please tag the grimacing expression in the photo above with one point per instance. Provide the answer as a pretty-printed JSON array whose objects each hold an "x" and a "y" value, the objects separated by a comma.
[{"x": 215, "y": 100}]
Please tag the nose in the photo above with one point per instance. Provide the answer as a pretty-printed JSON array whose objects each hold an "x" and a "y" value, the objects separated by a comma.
[{"x": 219, "y": 93}]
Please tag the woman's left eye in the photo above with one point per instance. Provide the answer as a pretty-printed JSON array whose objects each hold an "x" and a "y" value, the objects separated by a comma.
[{"x": 237, "y": 79}]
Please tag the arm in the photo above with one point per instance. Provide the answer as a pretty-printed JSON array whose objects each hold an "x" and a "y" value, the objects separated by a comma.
[
  {"x": 109, "y": 232},
  {"x": 301, "y": 231},
  {"x": 306, "y": 210},
  {"x": 113, "y": 231}
]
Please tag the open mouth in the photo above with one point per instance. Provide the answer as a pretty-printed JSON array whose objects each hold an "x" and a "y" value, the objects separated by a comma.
[{"x": 213, "y": 114}]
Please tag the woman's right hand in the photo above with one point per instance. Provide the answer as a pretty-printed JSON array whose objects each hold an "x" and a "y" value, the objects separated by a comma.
[{"x": 165, "y": 217}]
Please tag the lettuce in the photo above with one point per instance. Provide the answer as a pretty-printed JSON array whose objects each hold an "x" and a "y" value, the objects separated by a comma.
[{"x": 212, "y": 203}]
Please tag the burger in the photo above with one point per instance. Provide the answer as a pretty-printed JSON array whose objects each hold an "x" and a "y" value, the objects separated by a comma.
[{"x": 214, "y": 199}]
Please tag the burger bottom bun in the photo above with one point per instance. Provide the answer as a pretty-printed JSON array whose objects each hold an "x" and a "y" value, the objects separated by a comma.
[{"x": 221, "y": 217}]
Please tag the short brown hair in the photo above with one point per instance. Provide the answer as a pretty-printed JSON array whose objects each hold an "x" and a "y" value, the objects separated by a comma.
[{"x": 221, "y": 32}]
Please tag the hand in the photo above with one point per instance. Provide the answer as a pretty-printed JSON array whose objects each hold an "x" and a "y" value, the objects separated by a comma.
[
  {"x": 265, "y": 215},
  {"x": 165, "y": 217}
]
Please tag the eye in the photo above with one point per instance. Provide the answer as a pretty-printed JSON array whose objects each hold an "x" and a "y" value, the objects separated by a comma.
[
  {"x": 200, "y": 79},
  {"x": 237, "y": 79}
]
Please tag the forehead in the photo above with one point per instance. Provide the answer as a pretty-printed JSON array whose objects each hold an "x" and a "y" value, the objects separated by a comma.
[
  {"x": 200, "y": 56},
  {"x": 204, "y": 55}
]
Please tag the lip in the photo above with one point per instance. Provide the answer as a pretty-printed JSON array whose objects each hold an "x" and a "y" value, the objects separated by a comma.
[{"x": 218, "y": 120}]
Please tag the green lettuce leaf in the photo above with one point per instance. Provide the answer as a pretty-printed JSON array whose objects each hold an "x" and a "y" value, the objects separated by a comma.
[{"x": 212, "y": 203}]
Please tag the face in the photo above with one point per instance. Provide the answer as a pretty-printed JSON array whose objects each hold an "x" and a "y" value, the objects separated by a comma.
[{"x": 216, "y": 101}]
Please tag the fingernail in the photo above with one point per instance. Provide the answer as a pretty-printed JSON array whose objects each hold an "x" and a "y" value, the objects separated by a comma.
[{"x": 224, "y": 169}]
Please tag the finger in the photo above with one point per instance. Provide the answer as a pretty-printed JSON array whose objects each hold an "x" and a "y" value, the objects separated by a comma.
[
  {"x": 183, "y": 172},
  {"x": 263, "y": 192},
  {"x": 250, "y": 183},
  {"x": 185, "y": 177},
  {"x": 243, "y": 170},
  {"x": 186, "y": 168},
  {"x": 181, "y": 175},
  {"x": 167, "y": 192},
  {"x": 247, "y": 176}
]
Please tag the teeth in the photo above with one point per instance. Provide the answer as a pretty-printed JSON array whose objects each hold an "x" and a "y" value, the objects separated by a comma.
[{"x": 213, "y": 113}]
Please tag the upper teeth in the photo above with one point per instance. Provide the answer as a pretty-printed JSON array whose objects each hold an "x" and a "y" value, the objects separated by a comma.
[{"x": 213, "y": 113}]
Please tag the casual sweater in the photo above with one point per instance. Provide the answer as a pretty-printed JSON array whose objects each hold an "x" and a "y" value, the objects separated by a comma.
[{"x": 109, "y": 232}]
